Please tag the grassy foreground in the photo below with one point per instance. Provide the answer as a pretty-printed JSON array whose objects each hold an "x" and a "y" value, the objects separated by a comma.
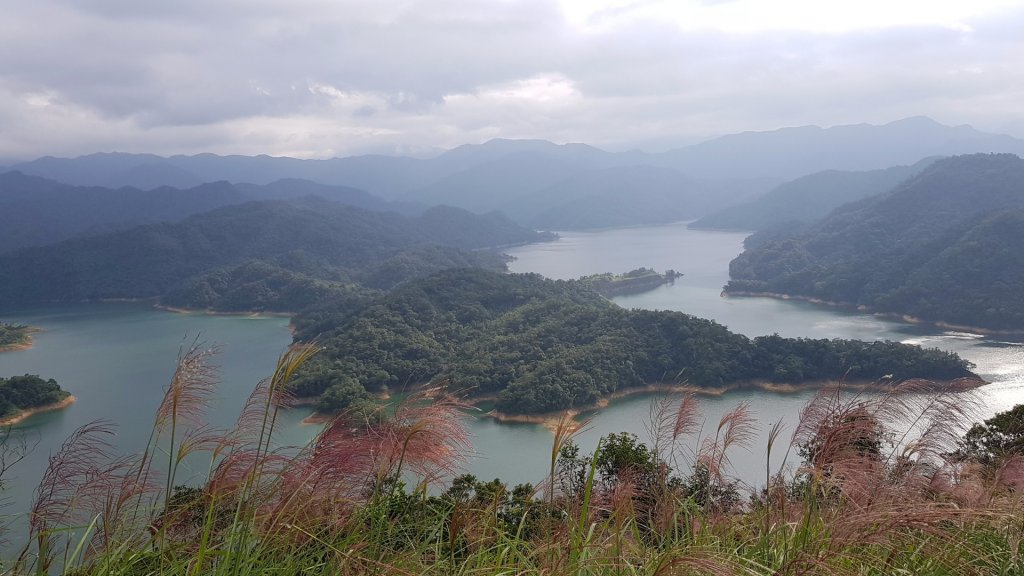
[{"x": 869, "y": 498}]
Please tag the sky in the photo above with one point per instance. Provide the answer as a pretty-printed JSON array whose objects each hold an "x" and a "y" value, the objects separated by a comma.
[{"x": 324, "y": 78}]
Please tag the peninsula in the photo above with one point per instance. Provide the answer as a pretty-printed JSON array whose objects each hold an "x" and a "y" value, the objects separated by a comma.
[
  {"x": 15, "y": 336},
  {"x": 23, "y": 396}
]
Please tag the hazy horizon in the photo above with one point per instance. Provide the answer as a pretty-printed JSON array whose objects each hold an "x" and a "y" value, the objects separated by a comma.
[{"x": 6, "y": 162}]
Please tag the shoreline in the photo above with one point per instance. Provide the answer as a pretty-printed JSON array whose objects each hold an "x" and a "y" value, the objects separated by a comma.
[
  {"x": 211, "y": 312},
  {"x": 25, "y": 414},
  {"x": 26, "y": 343},
  {"x": 317, "y": 418},
  {"x": 904, "y": 318},
  {"x": 550, "y": 420}
]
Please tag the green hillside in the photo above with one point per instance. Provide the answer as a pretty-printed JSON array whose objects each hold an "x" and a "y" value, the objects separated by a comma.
[
  {"x": 315, "y": 239},
  {"x": 942, "y": 246}
]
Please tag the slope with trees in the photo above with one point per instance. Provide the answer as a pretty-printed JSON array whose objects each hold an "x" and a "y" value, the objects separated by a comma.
[
  {"x": 309, "y": 242},
  {"x": 942, "y": 246}
]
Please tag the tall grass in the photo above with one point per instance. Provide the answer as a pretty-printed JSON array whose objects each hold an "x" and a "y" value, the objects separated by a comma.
[{"x": 378, "y": 493}]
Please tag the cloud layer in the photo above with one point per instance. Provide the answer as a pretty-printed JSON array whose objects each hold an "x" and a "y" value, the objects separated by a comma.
[{"x": 319, "y": 78}]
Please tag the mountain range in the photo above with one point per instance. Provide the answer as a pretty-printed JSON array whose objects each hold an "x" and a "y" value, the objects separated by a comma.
[{"x": 541, "y": 183}]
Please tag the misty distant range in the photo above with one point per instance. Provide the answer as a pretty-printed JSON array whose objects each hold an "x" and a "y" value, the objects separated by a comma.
[
  {"x": 794, "y": 186},
  {"x": 545, "y": 185}
]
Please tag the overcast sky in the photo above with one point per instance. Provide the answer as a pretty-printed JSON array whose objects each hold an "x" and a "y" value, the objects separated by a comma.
[{"x": 321, "y": 78}]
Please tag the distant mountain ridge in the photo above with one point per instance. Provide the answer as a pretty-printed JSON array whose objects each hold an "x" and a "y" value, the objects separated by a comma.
[
  {"x": 498, "y": 174},
  {"x": 35, "y": 211},
  {"x": 943, "y": 246}
]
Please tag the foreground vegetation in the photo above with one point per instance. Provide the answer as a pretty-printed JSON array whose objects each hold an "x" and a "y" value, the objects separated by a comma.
[
  {"x": 537, "y": 345},
  {"x": 907, "y": 497}
]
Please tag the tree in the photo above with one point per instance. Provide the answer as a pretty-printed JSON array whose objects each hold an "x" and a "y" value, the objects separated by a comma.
[{"x": 996, "y": 439}]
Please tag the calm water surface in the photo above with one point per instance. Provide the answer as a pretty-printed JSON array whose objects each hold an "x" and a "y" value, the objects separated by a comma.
[{"x": 116, "y": 358}]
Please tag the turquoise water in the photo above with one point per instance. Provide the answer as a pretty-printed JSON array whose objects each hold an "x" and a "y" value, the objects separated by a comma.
[{"x": 117, "y": 358}]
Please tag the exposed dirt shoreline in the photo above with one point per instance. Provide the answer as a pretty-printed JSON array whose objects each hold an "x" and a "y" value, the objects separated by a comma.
[
  {"x": 25, "y": 344},
  {"x": 17, "y": 418},
  {"x": 906, "y": 318},
  {"x": 550, "y": 420},
  {"x": 211, "y": 312}
]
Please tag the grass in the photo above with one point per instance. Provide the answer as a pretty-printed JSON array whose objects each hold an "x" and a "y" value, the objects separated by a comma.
[{"x": 876, "y": 494}]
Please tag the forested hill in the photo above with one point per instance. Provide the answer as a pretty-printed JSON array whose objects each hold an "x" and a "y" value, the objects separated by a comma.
[
  {"x": 807, "y": 199},
  {"x": 944, "y": 246},
  {"x": 35, "y": 211},
  {"x": 540, "y": 345},
  {"x": 315, "y": 238}
]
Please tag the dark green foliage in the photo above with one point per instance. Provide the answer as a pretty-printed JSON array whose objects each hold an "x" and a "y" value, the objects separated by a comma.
[
  {"x": 942, "y": 246},
  {"x": 344, "y": 393},
  {"x": 998, "y": 437},
  {"x": 543, "y": 345},
  {"x": 19, "y": 393},
  {"x": 258, "y": 286},
  {"x": 208, "y": 260}
]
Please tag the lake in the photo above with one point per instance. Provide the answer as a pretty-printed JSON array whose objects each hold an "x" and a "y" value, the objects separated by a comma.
[{"x": 117, "y": 358}]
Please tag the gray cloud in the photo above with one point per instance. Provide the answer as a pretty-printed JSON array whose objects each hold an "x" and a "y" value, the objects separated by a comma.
[{"x": 335, "y": 77}]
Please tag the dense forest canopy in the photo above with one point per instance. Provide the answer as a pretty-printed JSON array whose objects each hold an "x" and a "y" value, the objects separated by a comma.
[
  {"x": 19, "y": 393},
  {"x": 943, "y": 246},
  {"x": 540, "y": 345},
  {"x": 276, "y": 255}
]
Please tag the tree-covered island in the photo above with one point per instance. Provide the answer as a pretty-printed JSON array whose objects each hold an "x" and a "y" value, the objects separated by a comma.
[
  {"x": 22, "y": 396},
  {"x": 535, "y": 345},
  {"x": 633, "y": 282}
]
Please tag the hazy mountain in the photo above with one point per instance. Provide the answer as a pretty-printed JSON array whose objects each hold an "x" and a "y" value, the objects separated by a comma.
[
  {"x": 35, "y": 211},
  {"x": 499, "y": 183},
  {"x": 793, "y": 152},
  {"x": 297, "y": 188},
  {"x": 626, "y": 196},
  {"x": 500, "y": 173},
  {"x": 310, "y": 236},
  {"x": 944, "y": 245},
  {"x": 808, "y": 198}
]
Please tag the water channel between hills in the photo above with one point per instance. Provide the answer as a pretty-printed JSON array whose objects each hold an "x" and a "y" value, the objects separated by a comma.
[{"x": 116, "y": 358}]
